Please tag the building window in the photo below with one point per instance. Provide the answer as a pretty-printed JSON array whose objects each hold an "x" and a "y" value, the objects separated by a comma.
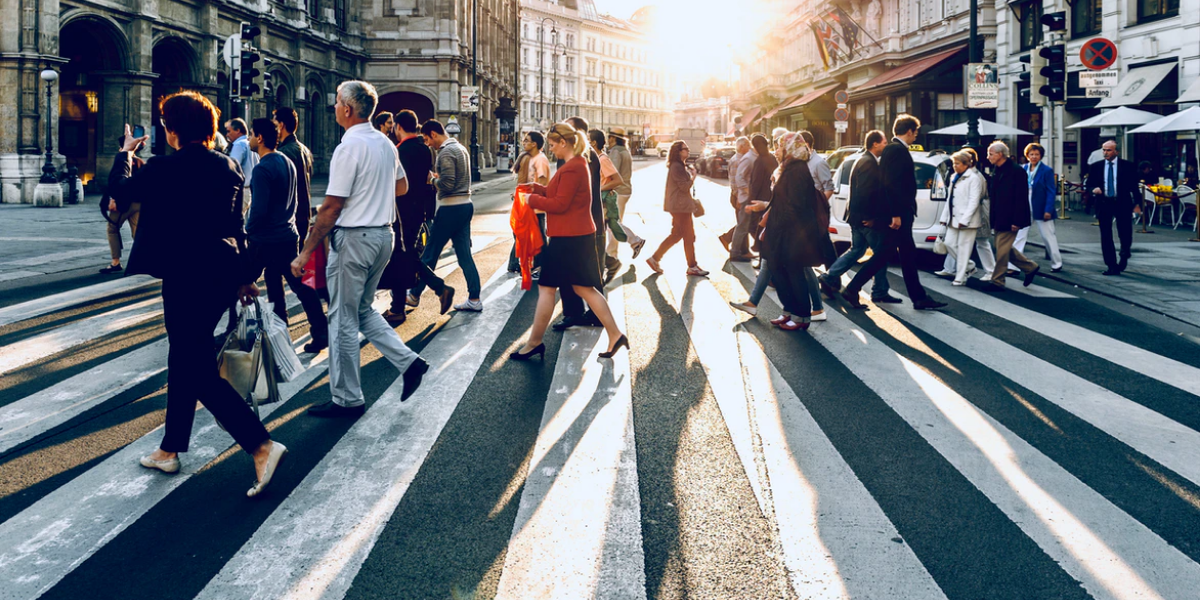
[
  {"x": 1149, "y": 10},
  {"x": 1030, "y": 15},
  {"x": 1086, "y": 16},
  {"x": 570, "y": 64},
  {"x": 570, "y": 40},
  {"x": 525, "y": 30}
]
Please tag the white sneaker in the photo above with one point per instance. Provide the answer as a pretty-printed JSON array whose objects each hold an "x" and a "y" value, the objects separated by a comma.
[
  {"x": 744, "y": 307},
  {"x": 944, "y": 273},
  {"x": 470, "y": 305},
  {"x": 959, "y": 282},
  {"x": 818, "y": 315}
]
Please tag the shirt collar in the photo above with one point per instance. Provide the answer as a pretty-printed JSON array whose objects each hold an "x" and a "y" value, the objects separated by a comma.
[{"x": 358, "y": 129}]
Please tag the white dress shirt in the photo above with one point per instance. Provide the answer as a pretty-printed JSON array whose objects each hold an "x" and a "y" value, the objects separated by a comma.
[{"x": 364, "y": 170}]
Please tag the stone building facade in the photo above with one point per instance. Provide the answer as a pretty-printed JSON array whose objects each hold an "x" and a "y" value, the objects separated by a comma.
[{"x": 117, "y": 58}]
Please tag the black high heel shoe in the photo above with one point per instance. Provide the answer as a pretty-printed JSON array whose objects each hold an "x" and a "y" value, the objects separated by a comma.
[
  {"x": 540, "y": 350},
  {"x": 621, "y": 341}
]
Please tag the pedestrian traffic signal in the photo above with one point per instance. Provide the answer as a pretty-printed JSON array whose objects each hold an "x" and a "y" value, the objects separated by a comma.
[
  {"x": 1055, "y": 21},
  {"x": 246, "y": 71},
  {"x": 1034, "y": 78},
  {"x": 1055, "y": 72}
]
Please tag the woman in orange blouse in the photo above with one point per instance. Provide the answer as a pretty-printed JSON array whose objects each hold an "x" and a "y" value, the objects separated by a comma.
[{"x": 570, "y": 257}]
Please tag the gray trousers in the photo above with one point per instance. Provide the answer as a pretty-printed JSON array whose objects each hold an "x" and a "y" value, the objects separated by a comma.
[
  {"x": 357, "y": 258},
  {"x": 741, "y": 233}
]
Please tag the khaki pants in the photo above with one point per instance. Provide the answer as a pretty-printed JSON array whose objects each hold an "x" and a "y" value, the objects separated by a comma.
[
  {"x": 1005, "y": 253},
  {"x": 114, "y": 230}
]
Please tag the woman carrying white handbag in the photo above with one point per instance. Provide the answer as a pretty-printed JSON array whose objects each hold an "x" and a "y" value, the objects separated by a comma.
[{"x": 965, "y": 214}]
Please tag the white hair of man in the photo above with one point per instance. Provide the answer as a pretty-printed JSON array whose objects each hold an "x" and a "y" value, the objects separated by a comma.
[
  {"x": 742, "y": 143},
  {"x": 359, "y": 96},
  {"x": 999, "y": 148},
  {"x": 778, "y": 132}
]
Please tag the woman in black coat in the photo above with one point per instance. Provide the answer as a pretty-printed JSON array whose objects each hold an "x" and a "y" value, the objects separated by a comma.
[
  {"x": 793, "y": 240},
  {"x": 191, "y": 236}
]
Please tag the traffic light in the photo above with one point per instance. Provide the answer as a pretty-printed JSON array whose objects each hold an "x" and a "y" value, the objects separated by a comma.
[
  {"x": 1055, "y": 72},
  {"x": 1033, "y": 76},
  {"x": 1055, "y": 21},
  {"x": 246, "y": 61}
]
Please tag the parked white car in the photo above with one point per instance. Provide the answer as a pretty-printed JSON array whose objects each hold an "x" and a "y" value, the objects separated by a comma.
[{"x": 932, "y": 170}]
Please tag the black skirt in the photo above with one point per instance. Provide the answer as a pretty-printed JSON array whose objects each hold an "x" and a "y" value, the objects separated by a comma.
[{"x": 568, "y": 261}]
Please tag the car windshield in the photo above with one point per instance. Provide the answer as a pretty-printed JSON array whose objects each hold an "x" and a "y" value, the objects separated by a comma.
[{"x": 726, "y": 153}]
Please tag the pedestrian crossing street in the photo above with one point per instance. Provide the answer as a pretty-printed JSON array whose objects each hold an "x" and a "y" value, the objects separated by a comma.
[{"x": 1031, "y": 445}]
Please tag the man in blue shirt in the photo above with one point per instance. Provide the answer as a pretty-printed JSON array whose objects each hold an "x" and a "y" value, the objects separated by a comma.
[
  {"x": 239, "y": 149},
  {"x": 271, "y": 230}
]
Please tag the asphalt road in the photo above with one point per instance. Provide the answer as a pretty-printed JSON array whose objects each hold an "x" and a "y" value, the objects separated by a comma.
[{"x": 1037, "y": 444}]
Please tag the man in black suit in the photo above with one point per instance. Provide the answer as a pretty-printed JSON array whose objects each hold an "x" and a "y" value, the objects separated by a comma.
[
  {"x": 900, "y": 203},
  {"x": 866, "y": 199},
  {"x": 1113, "y": 183}
]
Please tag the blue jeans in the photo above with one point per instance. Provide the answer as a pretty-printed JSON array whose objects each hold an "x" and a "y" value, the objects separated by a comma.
[
  {"x": 452, "y": 224},
  {"x": 862, "y": 238},
  {"x": 764, "y": 278}
]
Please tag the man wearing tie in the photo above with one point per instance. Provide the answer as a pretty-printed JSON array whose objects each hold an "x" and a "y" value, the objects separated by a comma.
[{"x": 1113, "y": 182}]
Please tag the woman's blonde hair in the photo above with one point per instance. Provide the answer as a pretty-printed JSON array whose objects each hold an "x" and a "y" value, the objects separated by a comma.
[
  {"x": 570, "y": 135},
  {"x": 964, "y": 157}
]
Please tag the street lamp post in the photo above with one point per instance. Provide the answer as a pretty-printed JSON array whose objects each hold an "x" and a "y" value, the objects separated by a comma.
[
  {"x": 542, "y": 65},
  {"x": 973, "y": 57},
  {"x": 475, "y": 174},
  {"x": 602, "y": 82},
  {"x": 554, "y": 105},
  {"x": 49, "y": 173}
]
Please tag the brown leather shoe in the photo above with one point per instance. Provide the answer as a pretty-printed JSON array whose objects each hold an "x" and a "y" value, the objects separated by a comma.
[
  {"x": 394, "y": 318},
  {"x": 447, "y": 299}
]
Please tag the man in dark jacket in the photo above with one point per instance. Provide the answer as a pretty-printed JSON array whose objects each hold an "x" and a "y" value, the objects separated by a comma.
[
  {"x": 302, "y": 159},
  {"x": 1113, "y": 184},
  {"x": 415, "y": 207},
  {"x": 1008, "y": 190},
  {"x": 897, "y": 213},
  {"x": 866, "y": 198}
]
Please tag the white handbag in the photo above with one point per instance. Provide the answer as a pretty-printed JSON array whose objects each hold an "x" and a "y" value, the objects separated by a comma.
[{"x": 939, "y": 246}]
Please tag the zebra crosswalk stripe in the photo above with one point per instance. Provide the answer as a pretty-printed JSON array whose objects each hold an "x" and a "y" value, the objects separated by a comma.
[{"x": 55, "y": 302}]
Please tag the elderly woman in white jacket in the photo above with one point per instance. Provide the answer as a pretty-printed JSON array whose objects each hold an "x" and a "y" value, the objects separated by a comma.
[{"x": 964, "y": 215}]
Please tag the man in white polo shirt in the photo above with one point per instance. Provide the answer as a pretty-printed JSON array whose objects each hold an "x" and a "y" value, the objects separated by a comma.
[{"x": 365, "y": 176}]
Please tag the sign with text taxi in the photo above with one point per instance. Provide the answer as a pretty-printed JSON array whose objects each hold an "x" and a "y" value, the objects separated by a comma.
[
  {"x": 452, "y": 126},
  {"x": 469, "y": 99}
]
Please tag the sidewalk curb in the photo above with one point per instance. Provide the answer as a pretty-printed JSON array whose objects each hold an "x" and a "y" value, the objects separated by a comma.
[{"x": 1093, "y": 290}]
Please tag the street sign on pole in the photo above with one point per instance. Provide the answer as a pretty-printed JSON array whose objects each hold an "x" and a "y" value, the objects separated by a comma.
[
  {"x": 1098, "y": 92},
  {"x": 841, "y": 114},
  {"x": 1098, "y": 54},
  {"x": 841, "y": 97},
  {"x": 232, "y": 45},
  {"x": 452, "y": 126},
  {"x": 840, "y": 126},
  {"x": 983, "y": 85},
  {"x": 1099, "y": 79},
  {"x": 469, "y": 99}
]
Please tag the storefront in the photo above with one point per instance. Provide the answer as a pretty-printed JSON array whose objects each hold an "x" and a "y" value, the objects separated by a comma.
[
  {"x": 813, "y": 112},
  {"x": 929, "y": 88}
]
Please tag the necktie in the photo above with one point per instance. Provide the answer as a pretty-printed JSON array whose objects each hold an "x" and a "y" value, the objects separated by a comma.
[{"x": 1109, "y": 180}]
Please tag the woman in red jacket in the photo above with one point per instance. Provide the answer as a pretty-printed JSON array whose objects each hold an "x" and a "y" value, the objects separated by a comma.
[{"x": 570, "y": 257}]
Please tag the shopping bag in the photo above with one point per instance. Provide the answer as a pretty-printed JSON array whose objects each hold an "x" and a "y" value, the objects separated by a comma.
[
  {"x": 939, "y": 246},
  {"x": 245, "y": 360},
  {"x": 314, "y": 269},
  {"x": 279, "y": 344}
]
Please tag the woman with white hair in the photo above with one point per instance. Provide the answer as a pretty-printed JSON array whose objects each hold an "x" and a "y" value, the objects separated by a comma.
[{"x": 963, "y": 214}]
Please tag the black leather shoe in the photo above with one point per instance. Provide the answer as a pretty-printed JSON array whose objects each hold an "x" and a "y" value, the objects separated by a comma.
[
  {"x": 316, "y": 346},
  {"x": 540, "y": 350},
  {"x": 928, "y": 304},
  {"x": 332, "y": 410},
  {"x": 566, "y": 323},
  {"x": 851, "y": 298},
  {"x": 447, "y": 299},
  {"x": 412, "y": 377},
  {"x": 590, "y": 320},
  {"x": 888, "y": 299},
  {"x": 111, "y": 269},
  {"x": 1029, "y": 276},
  {"x": 829, "y": 289},
  {"x": 1111, "y": 272},
  {"x": 1124, "y": 264}
]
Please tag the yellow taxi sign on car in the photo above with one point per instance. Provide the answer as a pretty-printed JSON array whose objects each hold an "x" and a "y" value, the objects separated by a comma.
[{"x": 916, "y": 148}]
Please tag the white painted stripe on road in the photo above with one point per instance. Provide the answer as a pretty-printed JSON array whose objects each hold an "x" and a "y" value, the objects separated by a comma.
[
  {"x": 52, "y": 342},
  {"x": 19, "y": 275},
  {"x": 1110, "y": 552},
  {"x": 59, "y": 532},
  {"x": 1164, "y": 440},
  {"x": 314, "y": 544},
  {"x": 836, "y": 540},
  {"x": 97, "y": 250},
  {"x": 44, "y": 410},
  {"x": 1155, "y": 366},
  {"x": 55, "y": 302},
  {"x": 578, "y": 529}
]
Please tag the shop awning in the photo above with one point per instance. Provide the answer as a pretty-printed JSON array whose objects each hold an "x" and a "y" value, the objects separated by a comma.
[
  {"x": 808, "y": 98},
  {"x": 909, "y": 70},
  {"x": 1136, "y": 85},
  {"x": 780, "y": 106},
  {"x": 750, "y": 117},
  {"x": 1192, "y": 94}
]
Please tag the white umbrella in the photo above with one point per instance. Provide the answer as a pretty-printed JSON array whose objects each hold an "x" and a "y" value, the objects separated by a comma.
[
  {"x": 1187, "y": 120},
  {"x": 1120, "y": 117},
  {"x": 986, "y": 128}
]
